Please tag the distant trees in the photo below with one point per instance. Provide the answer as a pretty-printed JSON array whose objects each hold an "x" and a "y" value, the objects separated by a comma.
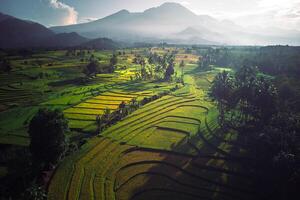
[
  {"x": 206, "y": 61},
  {"x": 273, "y": 60},
  {"x": 94, "y": 67},
  {"x": 157, "y": 68},
  {"x": 47, "y": 136},
  {"x": 70, "y": 52}
]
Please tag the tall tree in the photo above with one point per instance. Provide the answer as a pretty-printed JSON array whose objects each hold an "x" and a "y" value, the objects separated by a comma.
[
  {"x": 92, "y": 68},
  {"x": 114, "y": 60},
  {"x": 182, "y": 65},
  {"x": 221, "y": 90},
  {"x": 170, "y": 69},
  {"x": 47, "y": 136}
]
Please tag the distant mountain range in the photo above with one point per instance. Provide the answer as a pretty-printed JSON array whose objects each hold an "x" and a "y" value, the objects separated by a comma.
[
  {"x": 17, "y": 33},
  {"x": 170, "y": 22}
]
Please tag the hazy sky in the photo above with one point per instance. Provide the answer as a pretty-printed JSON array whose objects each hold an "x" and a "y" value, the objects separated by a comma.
[{"x": 275, "y": 13}]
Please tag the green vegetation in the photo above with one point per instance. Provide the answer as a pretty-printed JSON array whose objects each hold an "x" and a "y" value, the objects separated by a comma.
[
  {"x": 158, "y": 143},
  {"x": 249, "y": 103},
  {"x": 47, "y": 136},
  {"x": 170, "y": 122}
]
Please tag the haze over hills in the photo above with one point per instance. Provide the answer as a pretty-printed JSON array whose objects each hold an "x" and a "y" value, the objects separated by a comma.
[
  {"x": 172, "y": 22},
  {"x": 63, "y": 40},
  {"x": 17, "y": 33}
]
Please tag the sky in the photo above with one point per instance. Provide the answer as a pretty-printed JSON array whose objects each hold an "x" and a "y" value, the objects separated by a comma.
[{"x": 284, "y": 14}]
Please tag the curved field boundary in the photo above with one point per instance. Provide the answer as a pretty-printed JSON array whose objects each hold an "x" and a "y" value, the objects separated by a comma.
[
  {"x": 135, "y": 125},
  {"x": 185, "y": 186},
  {"x": 188, "y": 173},
  {"x": 96, "y": 105},
  {"x": 159, "y": 190},
  {"x": 146, "y": 115}
]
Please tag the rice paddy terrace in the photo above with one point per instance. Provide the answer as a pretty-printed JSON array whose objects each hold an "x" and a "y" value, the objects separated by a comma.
[
  {"x": 52, "y": 79},
  {"x": 170, "y": 148},
  {"x": 83, "y": 115}
]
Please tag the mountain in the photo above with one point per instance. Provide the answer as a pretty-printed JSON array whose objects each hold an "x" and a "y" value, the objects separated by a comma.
[
  {"x": 62, "y": 40},
  {"x": 101, "y": 44},
  {"x": 199, "y": 35},
  {"x": 173, "y": 22},
  {"x": 157, "y": 24},
  {"x": 17, "y": 33},
  {"x": 151, "y": 24},
  {"x": 3, "y": 17}
]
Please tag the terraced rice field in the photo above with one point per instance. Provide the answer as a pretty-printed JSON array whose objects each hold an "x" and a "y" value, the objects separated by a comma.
[
  {"x": 83, "y": 115},
  {"x": 14, "y": 95},
  {"x": 168, "y": 149},
  {"x": 162, "y": 123},
  {"x": 106, "y": 169}
]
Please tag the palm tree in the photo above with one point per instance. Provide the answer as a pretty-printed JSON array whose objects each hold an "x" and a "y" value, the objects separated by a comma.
[
  {"x": 221, "y": 91},
  {"x": 182, "y": 65}
]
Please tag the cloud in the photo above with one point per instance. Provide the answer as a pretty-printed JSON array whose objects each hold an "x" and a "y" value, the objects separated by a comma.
[
  {"x": 71, "y": 14},
  {"x": 283, "y": 14}
]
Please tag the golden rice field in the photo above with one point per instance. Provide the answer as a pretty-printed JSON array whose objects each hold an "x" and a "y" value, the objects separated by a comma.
[{"x": 83, "y": 115}]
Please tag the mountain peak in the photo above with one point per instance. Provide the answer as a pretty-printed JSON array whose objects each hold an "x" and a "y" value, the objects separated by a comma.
[
  {"x": 122, "y": 12},
  {"x": 171, "y": 9},
  {"x": 172, "y": 4}
]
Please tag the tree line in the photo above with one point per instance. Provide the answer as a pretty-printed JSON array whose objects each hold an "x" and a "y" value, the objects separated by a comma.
[
  {"x": 250, "y": 103},
  {"x": 273, "y": 60}
]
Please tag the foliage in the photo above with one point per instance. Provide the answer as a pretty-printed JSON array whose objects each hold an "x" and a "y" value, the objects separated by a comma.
[
  {"x": 35, "y": 192},
  {"x": 114, "y": 60},
  {"x": 275, "y": 60},
  {"x": 170, "y": 68},
  {"x": 47, "y": 136},
  {"x": 222, "y": 90},
  {"x": 271, "y": 128},
  {"x": 181, "y": 66},
  {"x": 94, "y": 67}
]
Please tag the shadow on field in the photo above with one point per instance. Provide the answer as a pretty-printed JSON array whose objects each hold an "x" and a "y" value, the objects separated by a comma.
[{"x": 214, "y": 173}]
